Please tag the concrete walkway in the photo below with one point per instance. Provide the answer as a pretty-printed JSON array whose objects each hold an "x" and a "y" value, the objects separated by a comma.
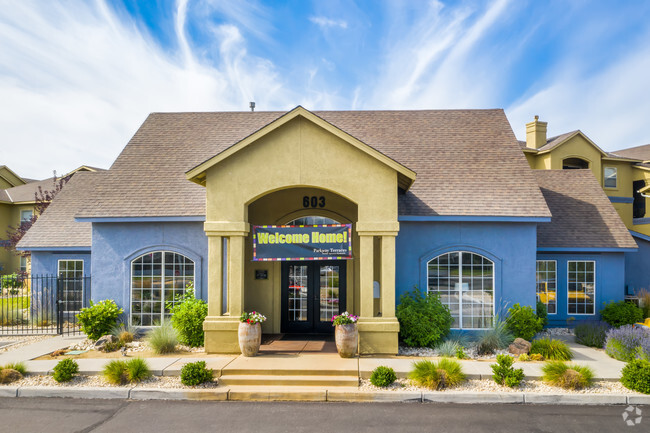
[
  {"x": 39, "y": 348},
  {"x": 299, "y": 363}
]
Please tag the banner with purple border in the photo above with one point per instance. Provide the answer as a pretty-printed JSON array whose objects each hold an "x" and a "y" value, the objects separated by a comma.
[{"x": 317, "y": 242}]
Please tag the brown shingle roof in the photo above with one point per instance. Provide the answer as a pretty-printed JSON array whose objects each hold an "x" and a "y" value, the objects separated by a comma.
[
  {"x": 468, "y": 162},
  {"x": 638, "y": 152},
  {"x": 583, "y": 216},
  {"x": 27, "y": 192},
  {"x": 57, "y": 226}
]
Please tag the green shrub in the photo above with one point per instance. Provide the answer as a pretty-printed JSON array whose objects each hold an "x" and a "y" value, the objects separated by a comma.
[
  {"x": 424, "y": 320},
  {"x": 187, "y": 317},
  {"x": 524, "y": 357},
  {"x": 542, "y": 312},
  {"x": 460, "y": 353},
  {"x": 636, "y": 376},
  {"x": 98, "y": 319},
  {"x": 536, "y": 357},
  {"x": 574, "y": 376},
  {"x": 383, "y": 376},
  {"x": 195, "y": 373},
  {"x": 112, "y": 346},
  {"x": 445, "y": 373},
  {"x": 505, "y": 374},
  {"x": 448, "y": 348},
  {"x": 163, "y": 339},
  {"x": 12, "y": 281},
  {"x": 137, "y": 370},
  {"x": 122, "y": 372},
  {"x": 20, "y": 367},
  {"x": 496, "y": 338},
  {"x": 551, "y": 349},
  {"x": 65, "y": 370},
  {"x": 591, "y": 334},
  {"x": 523, "y": 322},
  {"x": 621, "y": 313}
]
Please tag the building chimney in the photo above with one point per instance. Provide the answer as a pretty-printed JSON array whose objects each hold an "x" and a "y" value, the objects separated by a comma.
[
  {"x": 536, "y": 133},
  {"x": 252, "y": 105}
]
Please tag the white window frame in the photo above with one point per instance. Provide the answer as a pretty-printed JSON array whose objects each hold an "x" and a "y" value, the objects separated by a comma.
[
  {"x": 162, "y": 285},
  {"x": 567, "y": 288},
  {"x": 615, "y": 177},
  {"x": 83, "y": 280},
  {"x": 24, "y": 259},
  {"x": 24, "y": 211},
  {"x": 537, "y": 294},
  {"x": 460, "y": 291}
]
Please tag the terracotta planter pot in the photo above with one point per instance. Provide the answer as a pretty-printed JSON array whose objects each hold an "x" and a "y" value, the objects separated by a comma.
[
  {"x": 250, "y": 338},
  {"x": 347, "y": 340}
]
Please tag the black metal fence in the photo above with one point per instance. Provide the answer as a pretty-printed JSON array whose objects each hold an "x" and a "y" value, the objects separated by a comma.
[{"x": 41, "y": 304}]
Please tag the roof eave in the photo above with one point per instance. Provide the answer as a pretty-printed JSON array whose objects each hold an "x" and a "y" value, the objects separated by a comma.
[{"x": 406, "y": 176}]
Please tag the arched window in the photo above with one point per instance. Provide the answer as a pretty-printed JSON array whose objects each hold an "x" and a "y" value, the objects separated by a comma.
[
  {"x": 465, "y": 283},
  {"x": 312, "y": 221},
  {"x": 574, "y": 163},
  {"x": 156, "y": 279}
]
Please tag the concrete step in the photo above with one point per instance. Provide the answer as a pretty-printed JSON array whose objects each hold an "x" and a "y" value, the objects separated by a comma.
[
  {"x": 287, "y": 380},
  {"x": 279, "y": 371}
]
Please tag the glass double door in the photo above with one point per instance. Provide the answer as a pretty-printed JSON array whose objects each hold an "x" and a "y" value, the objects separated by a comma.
[{"x": 312, "y": 293}]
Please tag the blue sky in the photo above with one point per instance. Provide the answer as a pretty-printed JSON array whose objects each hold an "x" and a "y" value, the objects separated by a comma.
[{"x": 77, "y": 78}]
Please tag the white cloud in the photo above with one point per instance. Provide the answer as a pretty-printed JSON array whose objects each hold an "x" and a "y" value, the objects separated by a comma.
[
  {"x": 76, "y": 82},
  {"x": 611, "y": 107},
  {"x": 435, "y": 63},
  {"x": 326, "y": 23}
]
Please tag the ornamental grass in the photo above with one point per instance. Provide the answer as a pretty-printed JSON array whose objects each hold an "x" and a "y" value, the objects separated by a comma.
[{"x": 445, "y": 373}]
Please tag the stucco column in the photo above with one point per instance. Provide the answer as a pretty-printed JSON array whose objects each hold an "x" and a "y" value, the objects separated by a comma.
[
  {"x": 366, "y": 300},
  {"x": 215, "y": 275},
  {"x": 388, "y": 276},
  {"x": 236, "y": 275}
]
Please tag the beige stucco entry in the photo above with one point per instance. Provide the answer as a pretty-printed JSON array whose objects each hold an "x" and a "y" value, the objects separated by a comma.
[{"x": 262, "y": 180}]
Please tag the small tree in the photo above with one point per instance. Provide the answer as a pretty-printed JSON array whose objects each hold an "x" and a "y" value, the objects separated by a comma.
[{"x": 42, "y": 200}]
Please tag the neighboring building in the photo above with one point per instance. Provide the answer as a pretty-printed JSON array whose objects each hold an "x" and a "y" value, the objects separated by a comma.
[
  {"x": 624, "y": 175},
  {"x": 438, "y": 200},
  {"x": 17, "y": 201}
]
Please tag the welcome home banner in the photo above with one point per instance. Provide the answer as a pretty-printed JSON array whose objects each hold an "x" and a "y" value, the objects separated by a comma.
[{"x": 318, "y": 242}]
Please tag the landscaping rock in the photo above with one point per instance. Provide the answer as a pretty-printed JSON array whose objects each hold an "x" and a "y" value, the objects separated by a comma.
[
  {"x": 9, "y": 375},
  {"x": 519, "y": 346},
  {"x": 99, "y": 345}
]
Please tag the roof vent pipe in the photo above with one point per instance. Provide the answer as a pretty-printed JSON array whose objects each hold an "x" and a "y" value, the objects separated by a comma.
[{"x": 252, "y": 105}]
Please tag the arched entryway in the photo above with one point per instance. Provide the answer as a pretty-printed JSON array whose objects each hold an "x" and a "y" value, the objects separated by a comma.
[{"x": 300, "y": 165}]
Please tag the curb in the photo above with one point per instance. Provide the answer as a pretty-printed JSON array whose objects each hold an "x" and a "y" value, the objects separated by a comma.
[{"x": 321, "y": 395}]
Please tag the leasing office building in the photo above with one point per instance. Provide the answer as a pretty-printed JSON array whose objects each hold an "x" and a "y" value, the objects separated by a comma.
[{"x": 442, "y": 201}]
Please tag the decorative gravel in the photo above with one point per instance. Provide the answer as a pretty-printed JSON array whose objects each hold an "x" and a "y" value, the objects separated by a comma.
[
  {"x": 486, "y": 385},
  {"x": 134, "y": 347},
  {"x": 169, "y": 382},
  {"x": 470, "y": 351},
  {"x": 21, "y": 340}
]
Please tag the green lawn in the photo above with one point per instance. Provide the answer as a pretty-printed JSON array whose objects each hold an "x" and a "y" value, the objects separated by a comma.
[{"x": 14, "y": 302}]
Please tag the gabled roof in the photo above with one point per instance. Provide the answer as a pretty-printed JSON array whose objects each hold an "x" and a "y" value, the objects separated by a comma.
[
  {"x": 27, "y": 193},
  {"x": 468, "y": 162},
  {"x": 582, "y": 215},
  {"x": 639, "y": 152},
  {"x": 10, "y": 176},
  {"x": 406, "y": 177},
  {"x": 57, "y": 226}
]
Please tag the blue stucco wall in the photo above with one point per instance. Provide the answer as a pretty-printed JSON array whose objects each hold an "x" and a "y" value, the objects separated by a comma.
[
  {"x": 47, "y": 262},
  {"x": 511, "y": 246},
  {"x": 610, "y": 283},
  {"x": 115, "y": 245},
  {"x": 637, "y": 267}
]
